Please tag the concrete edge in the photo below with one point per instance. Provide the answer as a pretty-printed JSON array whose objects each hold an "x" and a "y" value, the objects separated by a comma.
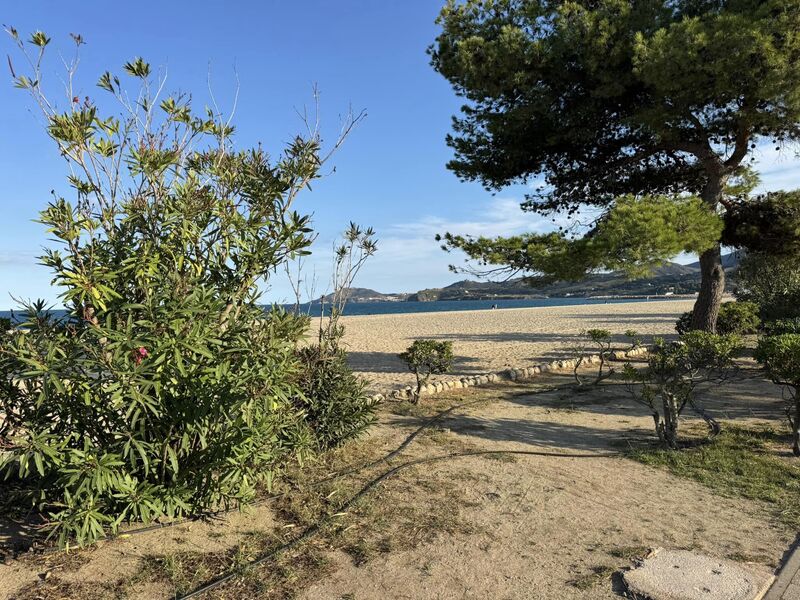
[{"x": 789, "y": 571}]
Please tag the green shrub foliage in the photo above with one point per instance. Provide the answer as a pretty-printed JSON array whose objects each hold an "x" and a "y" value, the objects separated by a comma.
[
  {"x": 425, "y": 358},
  {"x": 334, "y": 402},
  {"x": 780, "y": 355},
  {"x": 167, "y": 390},
  {"x": 772, "y": 282},
  {"x": 595, "y": 339},
  {"x": 737, "y": 318},
  {"x": 673, "y": 375},
  {"x": 781, "y": 326}
]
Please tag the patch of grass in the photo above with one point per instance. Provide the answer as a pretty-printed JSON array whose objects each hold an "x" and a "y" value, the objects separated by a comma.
[
  {"x": 503, "y": 458},
  {"x": 751, "y": 558},
  {"x": 184, "y": 571},
  {"x": 413, "y": 510},
  {"x": 281, "y": 578},
  {"x": 598, "y": 575},
  {"x": 739, "y": 462},
  {"x": 629, "y": 553},
  {"x": 55, "y": 588}
]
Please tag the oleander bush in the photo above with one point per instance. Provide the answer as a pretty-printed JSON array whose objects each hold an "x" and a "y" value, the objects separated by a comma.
[
  {"x": 780, "y": 356},
  {"x": 335, "y": 402},
  {"x": 166, "y": 390},
  {"x": 735, "y": 318}
]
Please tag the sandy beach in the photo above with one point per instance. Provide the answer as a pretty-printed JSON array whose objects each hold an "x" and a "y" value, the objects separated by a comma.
[{"x": 492, "y": 340}]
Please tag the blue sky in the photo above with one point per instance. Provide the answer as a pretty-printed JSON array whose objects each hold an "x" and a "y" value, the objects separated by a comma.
[{"x": 366, "y": 53}]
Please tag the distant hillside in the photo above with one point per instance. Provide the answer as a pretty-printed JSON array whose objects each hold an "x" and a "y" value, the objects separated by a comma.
[
  {"x": 366, "y": 295},
  {"x": 729, "y": 261},
  {"x": 672, "y": 278}
]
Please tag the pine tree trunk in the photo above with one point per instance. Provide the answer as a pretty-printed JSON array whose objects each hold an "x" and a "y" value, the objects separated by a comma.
[
  {"x": 795, "y": 423},
  {"x": 712, "y": 287},
  {"x": 712, "y": 275},
  {"x": 670, "y": 420}
]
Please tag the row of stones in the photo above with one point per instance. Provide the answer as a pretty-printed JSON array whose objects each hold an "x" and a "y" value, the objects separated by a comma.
[{"x": 508, "y": 375}]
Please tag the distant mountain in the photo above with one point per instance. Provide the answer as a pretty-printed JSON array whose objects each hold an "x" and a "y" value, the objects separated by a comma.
[
  {"x": 366, "y": 295},
  {"x": 729, "y": 261},
  {"x": 671, "y": 278}
]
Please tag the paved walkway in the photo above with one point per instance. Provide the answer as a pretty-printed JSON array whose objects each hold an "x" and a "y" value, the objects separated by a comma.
[{"x": 787, "y": 585}]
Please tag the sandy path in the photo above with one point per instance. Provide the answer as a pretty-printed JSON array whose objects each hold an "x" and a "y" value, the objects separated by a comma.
[
  {"x": 492, "y": 340},
  {"x": 544, "y": 523}
]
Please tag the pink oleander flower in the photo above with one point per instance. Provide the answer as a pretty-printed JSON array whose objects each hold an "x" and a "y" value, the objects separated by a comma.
[{"x": 140, "y": 354}]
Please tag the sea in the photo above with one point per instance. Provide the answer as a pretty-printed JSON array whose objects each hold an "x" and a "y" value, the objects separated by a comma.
[
  {"x": 396, "y": 308},
  {"x": 391, "y": 308}
]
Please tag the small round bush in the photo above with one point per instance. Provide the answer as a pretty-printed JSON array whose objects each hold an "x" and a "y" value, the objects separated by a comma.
[
  {"x": 782, "y": 326},
  {"x": 780, "y": 356},
  {"x": 427, "y": 357},
  {"x": 738, "y": 318}
]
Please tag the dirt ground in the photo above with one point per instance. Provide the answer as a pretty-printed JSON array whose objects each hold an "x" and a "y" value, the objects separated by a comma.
[{"x": 552, "y": 520}]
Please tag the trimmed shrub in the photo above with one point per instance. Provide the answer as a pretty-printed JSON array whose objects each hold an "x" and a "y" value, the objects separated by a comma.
[
  {"x": 684, "y": 323},
  {"x": 425, "y": 358},
  {"x": 600, "y": 340},
  {"x": 780, "y": 356},
  {"x": 669, "y": 383},
  {"x": 735, "y": 318}
]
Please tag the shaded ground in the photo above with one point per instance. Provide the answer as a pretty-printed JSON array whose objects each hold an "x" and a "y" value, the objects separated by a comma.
[{"x": 504, "y": 526}]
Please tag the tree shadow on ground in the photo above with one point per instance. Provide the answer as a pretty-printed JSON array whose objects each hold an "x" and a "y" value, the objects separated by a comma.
[
  {"x": 545, "y": 434},
  {"x": 629, "y": 321},
  {"x": 17, "y": 535},
  {"x": 744, "y": 397},
  {"x": 386, "y": 362},
  {"x": 506, "y": 336}
]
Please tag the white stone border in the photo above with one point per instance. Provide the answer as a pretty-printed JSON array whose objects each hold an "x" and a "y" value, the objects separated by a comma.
[{"x": 438, "y": 387}]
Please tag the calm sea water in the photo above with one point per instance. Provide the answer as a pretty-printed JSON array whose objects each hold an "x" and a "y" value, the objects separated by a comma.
[{"x": 389, "y": 308}]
